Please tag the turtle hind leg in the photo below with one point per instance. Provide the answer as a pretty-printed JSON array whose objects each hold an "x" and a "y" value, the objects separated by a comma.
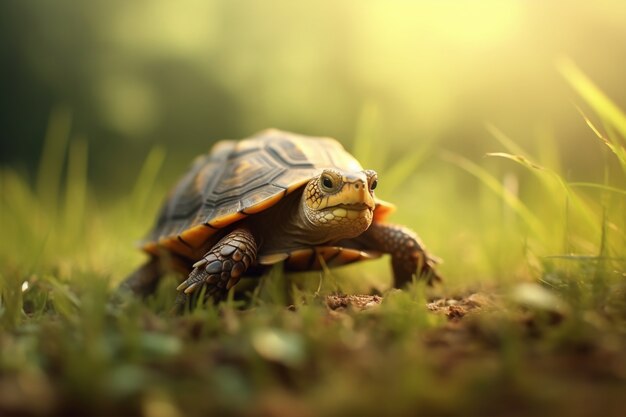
[
  {"x": 222, "y": 267},
  {"x": 408, "y": 255},
  {"x": 144, "y": 280}
]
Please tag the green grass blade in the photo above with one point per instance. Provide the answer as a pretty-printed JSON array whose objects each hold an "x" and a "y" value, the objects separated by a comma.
[
  {"x": 575, "y": 200},
  {"x": 611, "y": 142},
  {"x": 595, "y": 97},
  {"x": 10, "y": 301},
  {"x": 76, "y": 189},
  {"x": 598, "y": 186},
  {"x": 494, "y": 185},
  {"x": 147, "y": 178},
  {"x": 366, "y": 133},
  {"x": 400, "y": 171},
  {"x": 17, "y": 197},
  {"x": 521, "y": 160},
  {"x": 505, "y": 141},
  {"x": 53, "y": 157}
]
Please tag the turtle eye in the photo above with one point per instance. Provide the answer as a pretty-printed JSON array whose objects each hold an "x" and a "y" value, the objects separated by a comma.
[
  {"x": 372, "y": 178},
  {"x": 327, "y": 183}
]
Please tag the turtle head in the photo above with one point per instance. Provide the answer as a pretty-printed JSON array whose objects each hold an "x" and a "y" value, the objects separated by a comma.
[{"x": 340, "y": 204}]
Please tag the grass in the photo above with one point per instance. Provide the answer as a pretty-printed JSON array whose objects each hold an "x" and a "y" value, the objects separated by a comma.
[{"x": 531, "y": 321}]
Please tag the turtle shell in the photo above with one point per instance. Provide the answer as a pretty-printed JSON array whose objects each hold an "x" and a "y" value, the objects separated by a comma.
[{"x": 237, "y": 179}]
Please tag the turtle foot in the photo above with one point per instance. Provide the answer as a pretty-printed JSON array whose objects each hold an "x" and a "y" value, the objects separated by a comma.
[{"x": 222, "y": 267}]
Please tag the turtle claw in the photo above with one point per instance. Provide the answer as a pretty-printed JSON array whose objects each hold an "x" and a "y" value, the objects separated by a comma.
[
  {"x": 200, "y": 263},
  {"x": 190, "y": 289},
  {"x": 231, "y": 282},
  {"x": 194, "y": 279}
]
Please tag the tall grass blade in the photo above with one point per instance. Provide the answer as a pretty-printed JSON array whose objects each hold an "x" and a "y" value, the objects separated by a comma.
[
  {"x": 521, "y": 160},
  {"x": 400, "y": 171},
  {"x": 147, "y": 178},
  {"x": 25, "y": 229},
  {"x": 16, "y": 197},
  {"x": 595, "y": 97},
  {"x": 76, "y": 189},
  {"x": 598, "y": 186},
  {"x": 505, "y": 141},
  {"x": 495, "y": 186},
  {"x": 611, "y": 142},
  {"x": 575, "y": 200},
  {"x": 366, "y": 134},
  {"x": 10, "y": 301},
  {"x": 53, "y": 157}
]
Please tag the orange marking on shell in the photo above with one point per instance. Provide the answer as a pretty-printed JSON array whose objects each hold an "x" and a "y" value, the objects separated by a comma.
[
  {"x": 299, "y": 259},
  {"x": 370, "y": 254},
  {"x": 349, "y": 255},
  {"x": 325, "y": 253},
  {"x": 163, "y": 241},
  {"x": 272, "y": 258},
  {"x": 264, "y": 204},
  {"x": 226, "y": 220},
  {"x": 352, "y": 255},
  {"x": 176, "y": 246},
  {"x": 151, "y": 248},
  {"x": 197, "y": 235}
]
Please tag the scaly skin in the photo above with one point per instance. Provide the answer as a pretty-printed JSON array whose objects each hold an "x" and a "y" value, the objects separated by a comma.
[
  {"x": 222, "y": 267},
  {"x": 408, "y": 254}
]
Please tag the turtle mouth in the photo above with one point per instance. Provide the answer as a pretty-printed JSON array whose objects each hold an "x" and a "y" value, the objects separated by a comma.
[{"x": 353, "y": 207}]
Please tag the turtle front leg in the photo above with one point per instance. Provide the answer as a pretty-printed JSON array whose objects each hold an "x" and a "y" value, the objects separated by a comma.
[
  {"x": 408, "y": 254},
  {"x": 222, "y": 267}
]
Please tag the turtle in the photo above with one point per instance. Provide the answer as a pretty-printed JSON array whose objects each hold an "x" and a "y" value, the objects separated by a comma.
[{"x": 273, "y": 197}]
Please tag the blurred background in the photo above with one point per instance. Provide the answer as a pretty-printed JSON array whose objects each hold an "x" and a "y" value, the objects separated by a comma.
[
  {"x": 388, "y": 79},
  {"x": 136, "y": 74}
]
